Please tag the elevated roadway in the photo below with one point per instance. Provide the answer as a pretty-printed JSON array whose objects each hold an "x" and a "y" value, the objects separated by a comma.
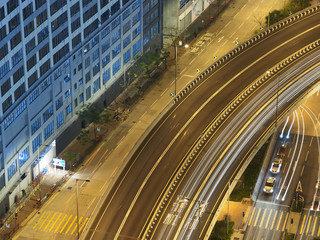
[{"x": 131, "y": 210}]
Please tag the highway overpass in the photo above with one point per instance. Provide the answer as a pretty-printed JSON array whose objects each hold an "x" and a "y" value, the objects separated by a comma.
[{"x": 179, "y": 175}]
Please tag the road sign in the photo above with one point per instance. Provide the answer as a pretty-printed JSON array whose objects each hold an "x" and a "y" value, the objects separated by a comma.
[
  {"x": 299, "y": 187},
  {"x": 58, "y": 162}
]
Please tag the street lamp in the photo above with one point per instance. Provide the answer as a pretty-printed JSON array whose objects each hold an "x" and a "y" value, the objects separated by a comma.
[
  {"x": 176, "y": 62},
  {"x": 77, "y": 180}
]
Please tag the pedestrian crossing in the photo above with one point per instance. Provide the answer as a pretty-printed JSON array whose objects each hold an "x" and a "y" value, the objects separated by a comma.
[
  {"x": 268, "y": 218},
  {"x": 59, "y": 222},
  {"x": 310, "y": 224}
]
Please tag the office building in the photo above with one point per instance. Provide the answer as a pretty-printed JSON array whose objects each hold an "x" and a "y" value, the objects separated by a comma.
[{"x": 55, "y": 57}]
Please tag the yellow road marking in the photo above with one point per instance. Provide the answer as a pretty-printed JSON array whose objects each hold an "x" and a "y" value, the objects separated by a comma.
[
  {"x": 39, "y": 219},
  {"x": 55, "y": 221},
  {"x": 60, "y": 223},
  {"x": 251, "y": 216},
  {"x": 285, "y": 222},
  {"x": 304, "y": 219},
  {"x": 45, "y": 220},
  {"x": 255, "y": 222},
  {"x": 263, "y": 215},
  {"x": 76, "y": 225},
  {"x": 274, "y": 219},
  {"x": 267, "y": 223},
  {"x": 279, "y": 220},
  {"x": 71, "y": 224},
  {"x": 318, "y": 234},
  {"x": 50, "y": 221},
  {"x": 314, "y": 225},
  {"x": 66, "y": 223},
  {"x": 85, "y": 224},
  {"x": 308, "y": 224}
]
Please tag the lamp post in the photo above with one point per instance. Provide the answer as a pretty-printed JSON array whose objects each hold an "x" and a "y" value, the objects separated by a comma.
[
  {"x": 77, "y": 180},
  {"x": 176, "y": 63}
]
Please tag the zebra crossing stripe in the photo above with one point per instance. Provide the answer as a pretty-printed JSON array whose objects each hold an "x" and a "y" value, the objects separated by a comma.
[
  {"x": 39, "y": 219},
  {"x": 304, "y": 219},
  {"x": 76, "y": 225},
  {"x": 60, "y": 223},
  {"x": 85, "y": 224},
  {"x": 263, "y": 215},
  {"x": 308, "y": 224},
  {"x": 274, "y": 219},
  {"x": 71, "y": 224},
  {"x": 314, "y": 225},
  {"x": 252, "y": 216},
  {"x": 45, "y": 220},
  {"x": 279, "y": 220},
  {"x": 285, "y": 221},
  {"x": 267, "y": 223},
  {"x": 65, "y": 224},
  {"x": 55, "y": 221},
  {"x": 50, "y": 221},
  {"x": 255, "y": 222}
]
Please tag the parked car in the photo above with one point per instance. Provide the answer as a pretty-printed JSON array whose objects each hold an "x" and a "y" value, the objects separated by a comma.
[
  {"x": 276, "y": 165},
  {"x": 269, "y": 186}
]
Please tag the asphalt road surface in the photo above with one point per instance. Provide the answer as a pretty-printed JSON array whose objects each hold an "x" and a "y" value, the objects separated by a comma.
[{"x": 129, "y": 209}]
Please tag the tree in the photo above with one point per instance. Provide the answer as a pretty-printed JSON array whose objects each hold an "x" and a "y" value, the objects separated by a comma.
[
  {"x": 70, "y": 157},
  {"x": 220, "y": 230},
  {"x": 94, "y": 113}
]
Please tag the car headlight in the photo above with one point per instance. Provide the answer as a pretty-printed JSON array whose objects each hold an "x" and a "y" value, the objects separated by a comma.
[{"x": 271, "y": 190}]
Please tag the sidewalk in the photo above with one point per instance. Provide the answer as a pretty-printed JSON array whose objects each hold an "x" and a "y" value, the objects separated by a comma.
[{"x": 119, "y": 137}]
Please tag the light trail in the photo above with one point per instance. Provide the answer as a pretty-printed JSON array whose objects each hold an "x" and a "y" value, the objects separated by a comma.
[{"x": 284, "y": 127}]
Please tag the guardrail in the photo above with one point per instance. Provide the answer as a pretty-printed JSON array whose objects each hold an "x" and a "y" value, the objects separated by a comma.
[
  {"x": 227, "y": 111},
  {"x": 243, "y": 46}
]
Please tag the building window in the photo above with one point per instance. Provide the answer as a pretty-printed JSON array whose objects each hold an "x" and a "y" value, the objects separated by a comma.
[
  {"x": 35, "y": 125},
  {"x": 60, "y": 37},
  {"x": 105, "y": 32},
  {"x": 126, "y": 13},
  {"x": 27, "y": 11},
  {"x": 32, "y": 79},
  {"x": 127, "y": 56},
  {"x": 136, "y": 32},
  {"x": 90, "y": 13},
  {"x": 126, "y": 27},
  {"x": 96, "y": 69},
  {"x": 47, "y": 114},
  {"x": 67, "y": 93},
  {"x": 136, "y": 48},
  {"x": 88, "y": 77},
  {"x": 18, "y": 75},
  {"x": 106, "y": 60},
  {"x": 75, "y": 102},
  {"x": 57, "y": 73},
  {"x": 146, "y": 38},
  {"x": 60, "y": 119},
  {"x": 96, "y": 85},
  {"x": 106, "y": 75},
  {"x": 24, "y": 156},
  {"x": 154, "y": 30},
  {"x": 14, "y": 22},
  {"x": 41, "y": 18},
  {"x": 115, "y": 23},
  {"x": 105, "y": 16},
  {"x": 57, "y": 5},
  {"x": 7, "y": 122},
  {"x": 75, "y": 9},
  {"x": 39, "y": 3},
  {"x": 11, "y": 5},
  {"x": 59, "y": 103},
  {"x": 115, "y": 36},
  {"x": 3, "y": 51},
  {"x": 21, "y": 108},
  {"x": 105, "y": 46},
  {"x": 115, "y": 7},
  {"x": 4, "y": 69},
  {"x": 28, "y": 28},
  {"x": 36, "y": 143},
  {"x": 44, "y": 67},
  {"x": 15, "y": 40},
  {"x": 48, "y": 131},
  {"x": 43, "y": 51},
  {"x": 5, "y": 87},
  {"x": 31, "y": 62},
  {"x": 87, "y": 62},
  {"x": 43, "y": 34},
  {"x": 30, "y": 45},
  {"x": 3, "y": 32},
  {"x": 95, "y": 55},
  {"x": 69, "y": 109},
  {"x": 103, "y": 3},
  {"x": 116, "y": 50},
  {"x": 19, "y": 91},
  {"x": 6, "y": 104},
  {"x": 126, "y": 41},
  {"x": 81, "y": 98},
  {"x": 116, "y": 66},
  {"x": 76, "y": 40},
  {"x": 88, "y": 93},
  {"x": 75, "y": 24},
  {"x": 12, "y": 169}
]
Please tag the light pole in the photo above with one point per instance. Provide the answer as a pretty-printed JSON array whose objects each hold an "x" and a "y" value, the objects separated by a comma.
[
  {"x": 85, "y": 180},
  {"x": 176, "y": 63}
]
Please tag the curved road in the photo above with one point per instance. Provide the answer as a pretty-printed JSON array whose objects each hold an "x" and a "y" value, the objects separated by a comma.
[{"x": 129, "y": 208}]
